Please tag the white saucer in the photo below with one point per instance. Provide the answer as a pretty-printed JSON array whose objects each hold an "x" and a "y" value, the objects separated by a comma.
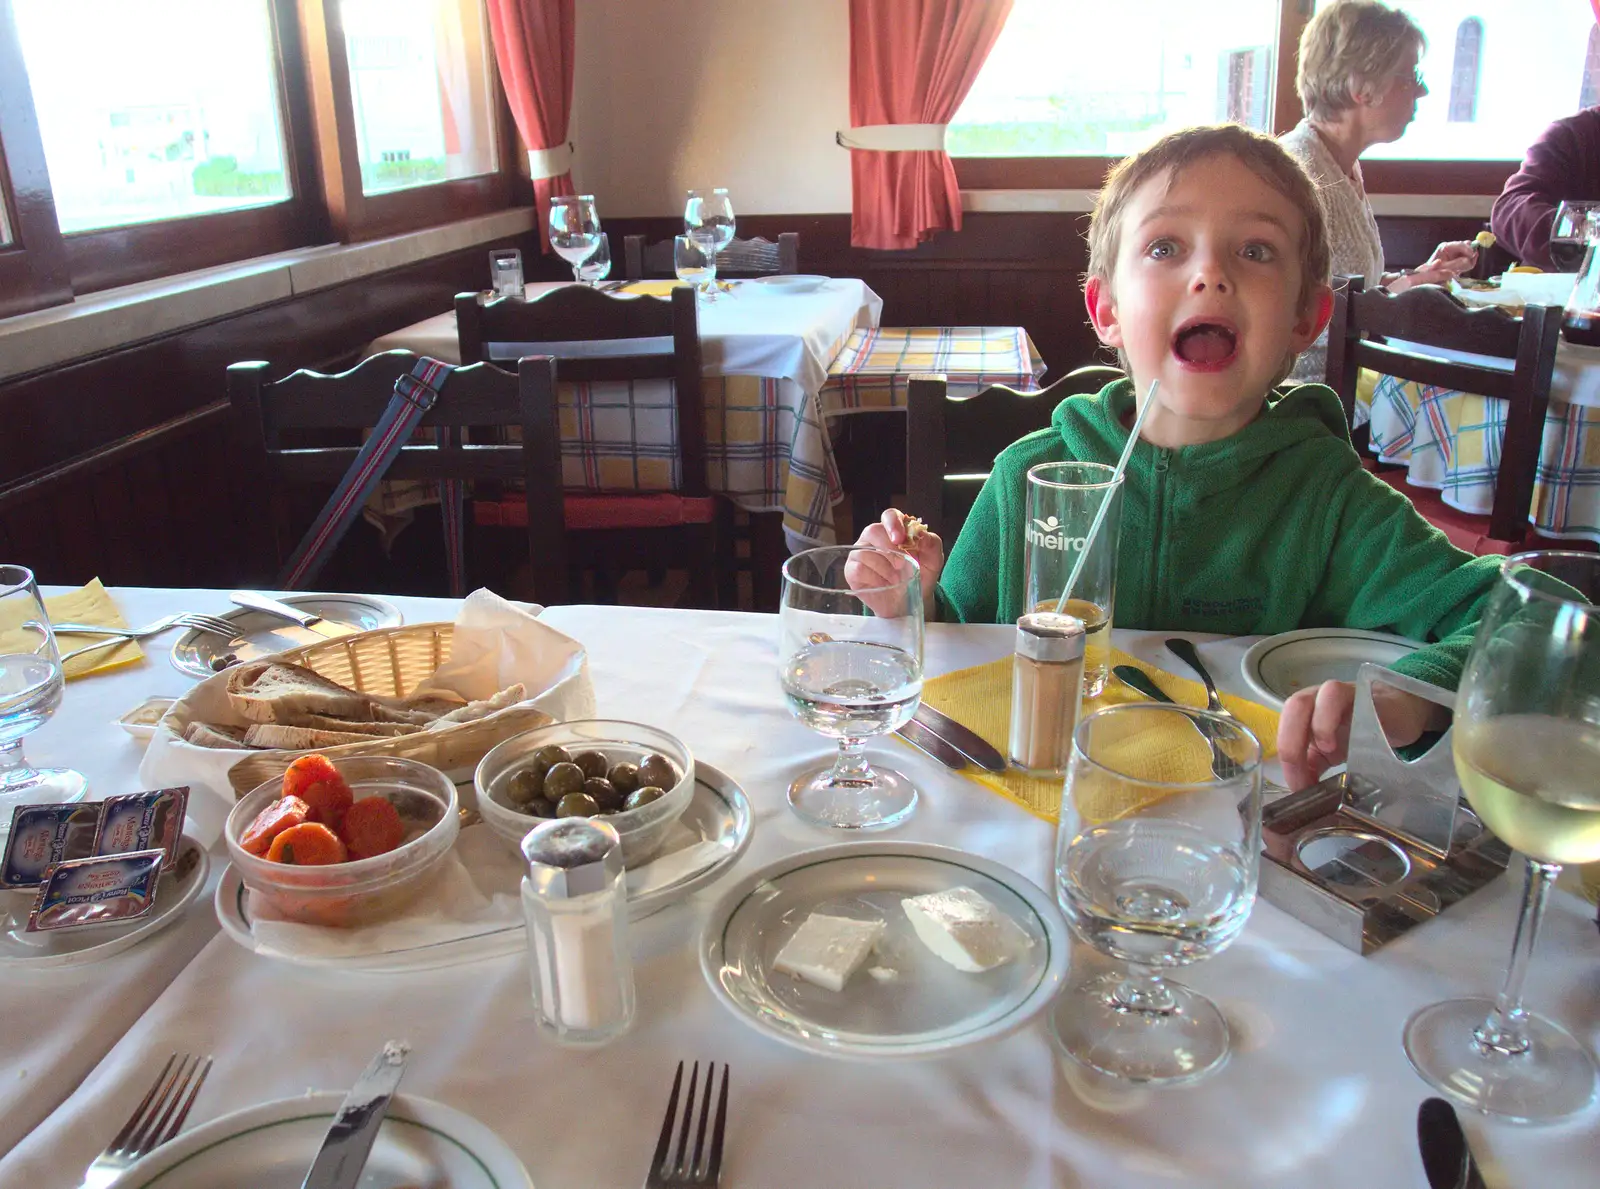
[
  {"x": 1280, "y": 665},
  {"x": 793, "y": 282},
  {"x": 270, "y": 1147},
  {"x": 261, "y": 634}
]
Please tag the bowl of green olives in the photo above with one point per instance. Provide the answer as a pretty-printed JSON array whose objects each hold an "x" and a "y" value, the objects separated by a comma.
[{"x": 639, "y": 779}]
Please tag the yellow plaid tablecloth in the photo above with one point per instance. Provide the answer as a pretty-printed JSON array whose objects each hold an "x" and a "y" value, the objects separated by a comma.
[{"x": 872, "y": 370}]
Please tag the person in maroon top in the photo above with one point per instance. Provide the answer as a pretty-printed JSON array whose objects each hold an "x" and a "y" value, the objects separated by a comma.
[{"x": 1562, "y": 164}]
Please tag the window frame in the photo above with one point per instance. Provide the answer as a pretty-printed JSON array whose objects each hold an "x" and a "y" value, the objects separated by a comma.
[
  {"x": 1389, "y": 176},
  {"x": 33, "y": 264}
]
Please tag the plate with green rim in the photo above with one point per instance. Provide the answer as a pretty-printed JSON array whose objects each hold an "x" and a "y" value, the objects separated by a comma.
[
  {"x": 1291, "y": 661},
  {"x": 906, "y": 1001},
  {"x": 272, "y": 1145}
]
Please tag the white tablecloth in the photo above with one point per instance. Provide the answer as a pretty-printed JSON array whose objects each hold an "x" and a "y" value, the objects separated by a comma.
[{"x": 1318, "y": 1094}]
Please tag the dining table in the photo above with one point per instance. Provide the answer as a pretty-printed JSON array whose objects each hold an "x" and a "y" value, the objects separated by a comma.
[{"x": 1318, "y": 1091}]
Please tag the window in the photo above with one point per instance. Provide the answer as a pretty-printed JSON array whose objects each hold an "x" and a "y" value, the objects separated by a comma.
[
  {"x": 154, "y": 109},
  {"x": 1105, "y": 80},
  {"x": 1589, "y": 91},
  {"x": 1464, "y": 72}
]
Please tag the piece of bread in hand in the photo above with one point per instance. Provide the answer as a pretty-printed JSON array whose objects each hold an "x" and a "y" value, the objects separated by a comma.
[
  {"x": 277, "y": 735},
  {"x": 279, "y": 692}
]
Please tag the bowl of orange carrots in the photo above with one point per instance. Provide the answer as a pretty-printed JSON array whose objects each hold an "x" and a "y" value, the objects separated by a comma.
[{"x": 342, "y": 843}]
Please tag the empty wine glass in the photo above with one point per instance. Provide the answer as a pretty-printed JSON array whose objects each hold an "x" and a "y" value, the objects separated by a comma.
[
  {"x": 694, "y": 260},
  {"x": 850, "y": 660},
  {"x": 1527, "y": 748},
  {"x": 710, "y": 211},
  {"x": 1156, "y": 865},
  {"x": 596, "y": 266},
  {"x": 31, "y": 684},
  {"x": 574, "y": 229}
]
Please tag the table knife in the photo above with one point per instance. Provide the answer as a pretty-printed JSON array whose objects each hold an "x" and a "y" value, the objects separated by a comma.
[
  {"x": 315, "y": 623},
  {"x": 344, "y": 1150},
  {"x": 1446, "y": 1158},
  {"x": 919, "y": 736},
  {"x": 964, "y": 739}
]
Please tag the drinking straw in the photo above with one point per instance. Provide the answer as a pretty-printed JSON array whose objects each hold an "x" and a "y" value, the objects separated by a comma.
[{"x": 1111, "y": 491}]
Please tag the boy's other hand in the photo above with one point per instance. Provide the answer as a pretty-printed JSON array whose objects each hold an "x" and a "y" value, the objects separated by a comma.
[
  {"x": 1314, "y": 730},
  {"x": 892, "y": 532},
  {"x": 1449, "y": 260}
]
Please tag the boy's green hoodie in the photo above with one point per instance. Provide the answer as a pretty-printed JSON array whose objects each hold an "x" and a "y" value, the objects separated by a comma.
[{"x": 1273, "y": 528}]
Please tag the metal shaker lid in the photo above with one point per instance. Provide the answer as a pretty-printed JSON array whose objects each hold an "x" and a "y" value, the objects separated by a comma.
[
  {"x": 572, "y": 856},
  {"x": 1051, "y": 637}
]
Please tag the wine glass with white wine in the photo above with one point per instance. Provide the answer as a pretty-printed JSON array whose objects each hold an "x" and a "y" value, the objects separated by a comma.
[{"x": 1527, "y": 749}]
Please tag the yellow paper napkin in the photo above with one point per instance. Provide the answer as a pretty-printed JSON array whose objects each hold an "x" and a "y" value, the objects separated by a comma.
[
  {"x": 651, "y": 288},
  {"x": 88, "y": 604},
  {"x": 980, "y": 698}
]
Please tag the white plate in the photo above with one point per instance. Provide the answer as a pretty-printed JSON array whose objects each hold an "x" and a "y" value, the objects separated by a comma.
[
  {"x": 928, "y": 1006},
  {"x": 73, "y": 947},
  {"x": 1280, "y": 665},
  {"x": 796, "y": 282},
  {"x": 270, "y": 1147},
  {"x": 261, "y": 634},
  {"x": 718, "y": 815}
]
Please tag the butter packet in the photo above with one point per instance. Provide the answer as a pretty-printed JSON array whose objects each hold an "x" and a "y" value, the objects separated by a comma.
[
  {"x": 108, "y": 889},
  {"x": 44, "y": 835},
  {"x": 140, "y": 821}
]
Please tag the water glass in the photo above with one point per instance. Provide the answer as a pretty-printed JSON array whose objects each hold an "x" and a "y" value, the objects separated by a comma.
[
  {"x": 505, "y": 272},
  {"x": 596, "y": 267},
  {"x": 850, "y": 662},
  {"x": 695, "y": 261},
  {"x": 574, "y": 228},
  {"x": 1063, "y": 500},
  {"x": 31, "y": 684},
  {"x": 1157, "y": 859}
]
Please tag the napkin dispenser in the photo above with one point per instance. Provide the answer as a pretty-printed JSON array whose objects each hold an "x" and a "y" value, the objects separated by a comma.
[{"x": 1384, "y": 846}]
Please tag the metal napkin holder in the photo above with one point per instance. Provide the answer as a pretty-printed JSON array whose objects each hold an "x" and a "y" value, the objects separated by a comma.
[{"x": 1384, "y": 846}]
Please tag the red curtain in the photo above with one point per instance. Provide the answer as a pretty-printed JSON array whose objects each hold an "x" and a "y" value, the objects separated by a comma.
[
  {"x": 533, "y": 44},
  {"x": 911, "y": 62}
]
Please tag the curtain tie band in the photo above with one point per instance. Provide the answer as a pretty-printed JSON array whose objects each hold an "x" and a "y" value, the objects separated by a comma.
[
  {"x": 894, "y": 138},
  {"x": 550, "y": 163}
]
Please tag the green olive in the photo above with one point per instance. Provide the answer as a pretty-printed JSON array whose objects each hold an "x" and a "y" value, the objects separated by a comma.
[
  {"x": 593, "y": 763},
  {"x": 539, "y": 807},
  {"x": 625, "y": 777},
  {"x": 657, "y": 770},
  {"x": 605, "y": 794},
  {"x": 564, "y": 778},
  {"x": 524, "y": 786},
  {"x": 548, "y": 756},
  {"x": 642, "y": 797},
  {"x": 577, "y": 805}
]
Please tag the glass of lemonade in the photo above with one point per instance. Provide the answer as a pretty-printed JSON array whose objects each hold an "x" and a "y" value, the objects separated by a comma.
[
  {"x": 1157, "y": 862},
  {"x": 1063, "y": 500},
  {"x": 1527, "y": 749}
]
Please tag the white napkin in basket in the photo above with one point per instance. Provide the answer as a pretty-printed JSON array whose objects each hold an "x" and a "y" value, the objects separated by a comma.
[{"x": 495, "y": 644}]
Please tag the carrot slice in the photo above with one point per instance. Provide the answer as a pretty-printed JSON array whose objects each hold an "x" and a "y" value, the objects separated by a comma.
[
  {"x": 317, "y": 782},
  {"x": 308, "y": 770},
  {"x": 281, "y": 815},
  {"x": 372, "y": 827},
  {"x": 310, "y": 844}
]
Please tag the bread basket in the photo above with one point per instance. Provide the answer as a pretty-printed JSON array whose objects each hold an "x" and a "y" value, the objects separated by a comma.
[{"x": 390, "y": 662}]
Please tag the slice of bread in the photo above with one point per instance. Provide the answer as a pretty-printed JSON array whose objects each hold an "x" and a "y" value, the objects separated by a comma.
[
  {"x": 472, "y": 711},
  {"x": 377, "y": 730},
  {"x": 278, "y": 692},
  {"x": 276, "y": 735},
  {"x": 203, "y": 734}
]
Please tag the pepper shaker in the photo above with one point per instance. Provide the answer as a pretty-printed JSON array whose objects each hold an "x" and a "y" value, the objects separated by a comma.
[
  {"x": 1046, "y": 688},
  {"x": 576, "y": 907}
]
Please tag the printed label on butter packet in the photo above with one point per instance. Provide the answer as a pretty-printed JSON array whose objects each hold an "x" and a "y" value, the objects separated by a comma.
[
  {"x": 44, "y": 835},
  {"x": 139, "y": 821},
  {"x": 97, "y": 891}
]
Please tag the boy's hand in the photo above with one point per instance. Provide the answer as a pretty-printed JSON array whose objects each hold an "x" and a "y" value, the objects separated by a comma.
[
  {"x": 1314, "y": 731},
  {"x": 1449, "y": 260},
  {"x": 893, "y": 533}
]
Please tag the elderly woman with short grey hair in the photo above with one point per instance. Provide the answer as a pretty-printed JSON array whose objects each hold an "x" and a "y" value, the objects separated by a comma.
[{"x": 1359, "y": 83}]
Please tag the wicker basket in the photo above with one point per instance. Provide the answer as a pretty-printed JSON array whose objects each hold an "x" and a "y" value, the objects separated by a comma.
[{"x": 391, "y": 662}]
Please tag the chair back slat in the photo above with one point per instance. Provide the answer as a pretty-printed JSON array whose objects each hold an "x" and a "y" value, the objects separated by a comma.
[{"x": 743, "y": 257}]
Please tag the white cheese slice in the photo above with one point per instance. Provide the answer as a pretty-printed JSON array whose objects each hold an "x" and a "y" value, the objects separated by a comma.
[
  {"x": 964, "y": 929},
  {"x": 828, "y": 950}
]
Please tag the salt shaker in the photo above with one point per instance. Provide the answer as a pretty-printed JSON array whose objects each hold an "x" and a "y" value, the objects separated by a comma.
[
  {"x": 1046, "y": 687},
  {"x": 576, "y": 907}
]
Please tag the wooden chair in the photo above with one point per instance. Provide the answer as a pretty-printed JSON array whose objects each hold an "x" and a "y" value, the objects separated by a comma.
[
  {"x": 473, "y": 398},
  {"x": 741, "y": 258},
  {"x": 596, "y": 338},
  {"x": 951, "y": 444},
  {"x": 1430, "y": 316}
]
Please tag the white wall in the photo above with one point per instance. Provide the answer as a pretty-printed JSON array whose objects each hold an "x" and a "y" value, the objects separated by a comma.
[{"x": 671, "y": 95}]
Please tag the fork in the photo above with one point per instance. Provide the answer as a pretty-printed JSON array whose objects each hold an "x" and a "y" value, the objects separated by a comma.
[
  {"x": 204, "y": 623},
  {"x": 154, "y": 1121},
  {"x": 682, "y": 1170},
  {"x": 1186, "y": 652}
]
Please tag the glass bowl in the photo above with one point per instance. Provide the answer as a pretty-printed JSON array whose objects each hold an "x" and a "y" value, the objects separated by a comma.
[
  {"x": 363, "y": 890},
  {"x": 642, "y": 830}
]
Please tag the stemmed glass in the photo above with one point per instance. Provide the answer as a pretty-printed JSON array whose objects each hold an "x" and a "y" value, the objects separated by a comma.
[
  {"x": 1527, "y": 749},
  {"x": 596, "y": 266},
  {"x": 1569, "y": 233},
  {"x": 1157, "y": 857},
  {"x": 708, "y": 218},
  {"x": 574, "y": 229},
  {"x": 850, "y": 660},
  {"x": 31, "y": 683},
  {"x": 694, "y": 260}
]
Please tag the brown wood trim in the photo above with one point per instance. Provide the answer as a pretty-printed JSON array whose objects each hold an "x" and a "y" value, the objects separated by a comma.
[
  {"x": 1293, "y": 16},
  {"x": 31, "y": 487},
  {"x": 1437, "y": 177},
  {"x": 33, "y": 267}
]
